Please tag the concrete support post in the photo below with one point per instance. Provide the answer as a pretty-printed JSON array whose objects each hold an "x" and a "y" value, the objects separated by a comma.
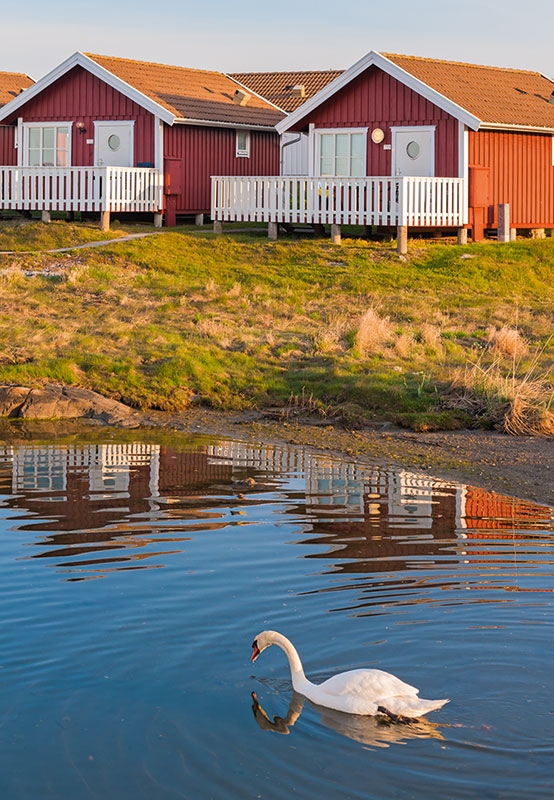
[
  {"x": 335, "y": 234},
  {"x": 199, "y": 219},
  {"x": 104, "y": 220},
  {"x": 158, "y": 220},
  {"x": 402, "y": 239},
  {"x": 462, "y": 235},
  {"x": 272, "y": 230},
  {"x": 45, "y": 216},
  {"x": 218, "y": 227},
  {"x": 503, "y": 222},
  {"x": 513, "y": 234}
]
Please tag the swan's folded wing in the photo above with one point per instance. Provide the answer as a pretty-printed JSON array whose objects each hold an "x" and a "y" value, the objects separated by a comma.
[{"x": 369, "y": 683}]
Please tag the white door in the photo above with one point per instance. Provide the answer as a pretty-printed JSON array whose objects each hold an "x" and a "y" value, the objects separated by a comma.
[
  {"x": 413, "y": 151},
  {"x": 113, "y": 144}
]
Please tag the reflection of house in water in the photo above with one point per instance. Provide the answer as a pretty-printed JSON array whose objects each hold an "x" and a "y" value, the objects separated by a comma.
[
  {"x": 93, "y": 497},
  {"x": 359, "y": 513}
]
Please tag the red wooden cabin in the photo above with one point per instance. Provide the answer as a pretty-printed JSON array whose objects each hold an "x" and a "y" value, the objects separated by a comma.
[
  {"x": 405, "y": 141},
  {"x": 103, "y": 134}
]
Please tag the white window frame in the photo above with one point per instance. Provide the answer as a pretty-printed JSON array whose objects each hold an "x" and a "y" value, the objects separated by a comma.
[
  {"x": 242, "y": 152},
  {"x": 27, "y": 126},
  {"x": 319, "y": 132}
]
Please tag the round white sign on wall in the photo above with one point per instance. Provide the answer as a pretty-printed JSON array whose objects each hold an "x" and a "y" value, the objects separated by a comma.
[{"x": 377, "y": 135}]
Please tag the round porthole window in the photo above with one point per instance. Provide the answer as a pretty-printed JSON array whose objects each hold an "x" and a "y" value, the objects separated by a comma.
[
  {"x": 413, "y": 149},
  {"x": 114, "y": 142}
]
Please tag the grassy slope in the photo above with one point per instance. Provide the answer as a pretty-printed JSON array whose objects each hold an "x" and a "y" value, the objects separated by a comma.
[{"x": 240, "y": 321}]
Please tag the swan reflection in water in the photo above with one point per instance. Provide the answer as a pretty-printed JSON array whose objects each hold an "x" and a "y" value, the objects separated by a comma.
[{"x": 377, "y": 731}]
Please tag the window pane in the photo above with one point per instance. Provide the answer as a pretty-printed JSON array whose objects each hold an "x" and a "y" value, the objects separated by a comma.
[
  {"x": 342, "y": 145},
  {"x": 62, "y": 154},
  {"x": 34, "y": 137},
  {"x": 327, "y": 166},
  {"x": 342, "y": 166},
  {"x": 357, "y": 169},
  {"x": 357, "y": 144},
  {"x": 48, "y": 137},
  {"x": 327, "y": 145},
  {"x": 48, "y": 157},
  {"x": 34, "y": 158}
]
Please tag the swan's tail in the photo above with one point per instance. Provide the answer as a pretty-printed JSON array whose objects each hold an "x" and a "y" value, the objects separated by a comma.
[
  {"x": 421, "y": 707},
  {"x": 408, "y": 708}
]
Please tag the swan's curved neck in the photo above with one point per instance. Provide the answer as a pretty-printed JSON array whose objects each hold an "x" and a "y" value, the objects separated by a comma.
[{"x": 299, "y": 680}]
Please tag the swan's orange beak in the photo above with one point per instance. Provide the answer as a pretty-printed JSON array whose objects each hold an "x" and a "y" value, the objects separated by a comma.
[{"x": 255, "y": 651}]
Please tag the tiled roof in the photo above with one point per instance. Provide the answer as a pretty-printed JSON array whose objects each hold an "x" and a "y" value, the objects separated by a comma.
[
  {"x": 11, "y": 84},
  {"x": 279, "y": 87},
  {"x": 191, "y": 94},
  {"x": 495, "y": 95}
]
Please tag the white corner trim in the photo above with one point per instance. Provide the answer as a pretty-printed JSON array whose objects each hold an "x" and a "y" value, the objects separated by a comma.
[{"x": 392, "y": 69}]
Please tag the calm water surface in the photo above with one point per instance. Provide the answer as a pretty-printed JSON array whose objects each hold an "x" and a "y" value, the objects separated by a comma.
[{"x": 134, "y": 576}]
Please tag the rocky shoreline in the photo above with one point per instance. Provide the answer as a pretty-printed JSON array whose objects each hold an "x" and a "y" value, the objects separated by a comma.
[{"x": 522, "y": 467}]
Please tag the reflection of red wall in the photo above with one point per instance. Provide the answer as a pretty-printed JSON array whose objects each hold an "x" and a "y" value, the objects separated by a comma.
[{"x": 499, "y": 512}]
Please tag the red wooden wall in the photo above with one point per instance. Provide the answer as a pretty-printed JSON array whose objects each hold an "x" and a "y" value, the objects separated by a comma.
[
  {"x": 8, "y": 153},
  {"x": 79, "y": 96},
  {"x": 206, "y": 151},
  {"x": 521, "y": 174},
  {"x": 377, "y": 100}
]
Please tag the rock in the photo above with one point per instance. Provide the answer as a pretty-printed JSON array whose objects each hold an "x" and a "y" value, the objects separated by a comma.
[{"x": 64, "y": 402}]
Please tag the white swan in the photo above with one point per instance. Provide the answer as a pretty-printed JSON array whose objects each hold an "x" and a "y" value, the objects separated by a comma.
[{"x": 358, "y": 691}]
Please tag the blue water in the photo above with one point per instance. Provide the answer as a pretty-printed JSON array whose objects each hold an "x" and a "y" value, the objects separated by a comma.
[{"x": 134, "y": 577}]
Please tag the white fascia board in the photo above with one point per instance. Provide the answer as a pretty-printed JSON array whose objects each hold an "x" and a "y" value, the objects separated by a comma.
[
  {"x": 392, "y": 69},
  {"x": 81, "y": 60},
  {"x": 244, "y": 126},
  {"x": 501, "y": 126}
]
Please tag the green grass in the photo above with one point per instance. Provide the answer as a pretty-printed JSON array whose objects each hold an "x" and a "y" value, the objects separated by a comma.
[{"x": 238, "y": 321}]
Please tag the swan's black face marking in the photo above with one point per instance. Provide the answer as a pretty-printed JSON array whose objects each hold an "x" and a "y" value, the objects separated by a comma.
[{"x": 255, "y": 651}]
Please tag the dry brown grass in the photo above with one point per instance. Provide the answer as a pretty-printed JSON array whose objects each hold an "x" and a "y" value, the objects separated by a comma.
[
  {"x": 331, "y": 338},
  {"x": 374, "y": 333},
  {"x": 507, "y": 341},
  {"x": 518, "y": 401}
]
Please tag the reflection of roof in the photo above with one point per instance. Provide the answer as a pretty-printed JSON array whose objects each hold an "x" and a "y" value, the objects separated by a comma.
[
  {"x": 191, "y": 94},
  {"x": 495, "y": 95},
  {"x": 284, "y": 88},
  {"x": 12, "y": 84}
]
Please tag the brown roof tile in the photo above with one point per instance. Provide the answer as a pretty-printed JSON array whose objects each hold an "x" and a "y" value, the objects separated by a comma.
[
  {"x": 191, "y": 93},
  {"x": 495, "y": 95},
  {"x": 11, "y": 84},
  {"x": 277, "y": 87}
]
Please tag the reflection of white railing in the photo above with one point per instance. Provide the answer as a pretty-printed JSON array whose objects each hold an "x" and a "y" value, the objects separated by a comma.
[
  {"x": 421, "y": 202},
  {"x": 81, "y": 189}
]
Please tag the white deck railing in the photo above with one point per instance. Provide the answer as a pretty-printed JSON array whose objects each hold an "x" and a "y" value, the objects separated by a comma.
[
  {"x": 81, "y": 189},
  {"x": 416, "y": 202}
]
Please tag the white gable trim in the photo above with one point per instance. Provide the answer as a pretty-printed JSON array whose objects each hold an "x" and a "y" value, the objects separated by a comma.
[
  {"x": 392, "y": 69},
  {"x": 81, "y": 60}
]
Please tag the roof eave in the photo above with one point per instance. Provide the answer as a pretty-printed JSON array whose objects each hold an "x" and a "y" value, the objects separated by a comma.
[
  {"x": 506, "y": 126},
  {"x": 82, "y": 60},
  {"x": 392, "y": 69},
  {"x": 217, "y": 124}
]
